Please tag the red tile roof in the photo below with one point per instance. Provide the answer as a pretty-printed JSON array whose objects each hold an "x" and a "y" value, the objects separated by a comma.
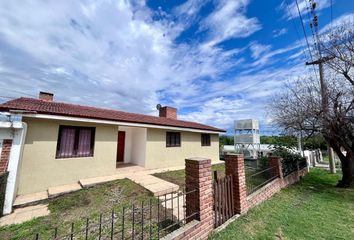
[{"x": 72, "y": 110}]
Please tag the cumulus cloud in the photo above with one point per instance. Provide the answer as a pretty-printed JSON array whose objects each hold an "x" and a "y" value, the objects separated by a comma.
[{"x": 106, "y": 53}]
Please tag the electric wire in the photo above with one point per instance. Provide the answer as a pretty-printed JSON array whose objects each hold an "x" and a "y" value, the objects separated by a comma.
[{"x": 304, "y": 31}]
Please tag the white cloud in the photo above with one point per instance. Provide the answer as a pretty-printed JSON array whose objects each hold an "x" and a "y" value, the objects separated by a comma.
[
  {"x": 105, "y": 53},
  {"x": 279, "y": 32},
  {"x": 291, "y": 11},
  {"x": 228, "y": 21},
  {"x": 258, "y": 49},
  {"x": 345, "y": 18},
  {"x": 116, "y": 54}
]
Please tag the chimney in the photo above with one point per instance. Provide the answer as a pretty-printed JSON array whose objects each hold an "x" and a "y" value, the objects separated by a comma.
[
  {"x": 168, "y": 112},
  {"x": 46, "y": 96}
]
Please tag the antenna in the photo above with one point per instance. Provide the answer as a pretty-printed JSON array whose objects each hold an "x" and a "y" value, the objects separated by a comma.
[{"x": 158, "y": 106}]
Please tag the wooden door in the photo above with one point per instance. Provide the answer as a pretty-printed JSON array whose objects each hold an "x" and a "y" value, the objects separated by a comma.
[{"x": 120, "y": 146}]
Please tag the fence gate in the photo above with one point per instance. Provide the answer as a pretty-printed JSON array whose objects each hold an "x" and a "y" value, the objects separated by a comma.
[{"x": 223, "y": 199}]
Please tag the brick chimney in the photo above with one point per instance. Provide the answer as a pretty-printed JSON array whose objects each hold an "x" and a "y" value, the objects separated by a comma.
[
  {"x": 168, "y": 112},
  {"x": 46, "y": 96}
]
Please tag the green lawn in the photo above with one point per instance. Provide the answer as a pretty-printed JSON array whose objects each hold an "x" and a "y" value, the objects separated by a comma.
[
  {"x": 178, "y": 176},
  {"x": 76, "y": 207},
  {"x": 311, "y": 209}
]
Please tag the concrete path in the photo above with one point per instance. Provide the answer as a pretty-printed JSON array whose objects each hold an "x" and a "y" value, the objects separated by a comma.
[
  {"x": 24, "y": 200},
  {"x": 25, "y": 214},
  {"x": 155, "y": 185},
  {"x": 175, "y": 202}
]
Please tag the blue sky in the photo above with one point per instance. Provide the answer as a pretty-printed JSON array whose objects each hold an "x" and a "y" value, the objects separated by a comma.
[{"x": 216, "y": 61}]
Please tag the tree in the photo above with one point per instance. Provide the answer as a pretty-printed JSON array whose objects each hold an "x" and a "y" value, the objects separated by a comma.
[
  {"x": 284, "y": 140},
  {"x": 226, "y": 140},
  {"x": 316, "y": 141},
  {"x": 301, "y": 106}
]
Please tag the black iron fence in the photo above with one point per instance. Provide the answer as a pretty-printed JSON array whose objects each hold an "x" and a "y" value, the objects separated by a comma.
[
  {"x": 3, "y": 182},
  {"x": 152, "y": 219},
  {"x": 292, "y": 165},
  {"x": 257, "y": 178},
  {"x": 302, "y": 163}
]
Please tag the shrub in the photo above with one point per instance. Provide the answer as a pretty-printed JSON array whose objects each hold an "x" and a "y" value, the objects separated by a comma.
[{"x": 290, "y": 159}]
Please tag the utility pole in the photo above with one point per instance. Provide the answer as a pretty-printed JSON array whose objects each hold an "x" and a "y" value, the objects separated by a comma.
[{"x": 325, "y": 106}]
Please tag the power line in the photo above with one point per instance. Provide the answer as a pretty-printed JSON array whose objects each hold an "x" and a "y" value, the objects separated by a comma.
[
  {"x": 314, "y": 25},
  {"x": 304, "y": 31},
  {"x": 16, "y": 91},
  {"x": 292, "y": 17},
  {"x": 303, "y": 28},
  {"x": 294, "y": 25},
  {"x": 7, "y": 97}
]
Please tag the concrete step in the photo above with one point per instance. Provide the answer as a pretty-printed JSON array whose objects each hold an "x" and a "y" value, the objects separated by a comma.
[
  {"x": 63, "y": 189},
  {"x": 30, "y": 199}
]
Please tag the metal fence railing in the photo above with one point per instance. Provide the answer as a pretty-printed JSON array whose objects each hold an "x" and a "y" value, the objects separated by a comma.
[
  {"x": 257, "y": 178},
  {"x": 290, "y": 166},
  {"x": 302, "y": 163},
  {"x": 151, "y": 219}
]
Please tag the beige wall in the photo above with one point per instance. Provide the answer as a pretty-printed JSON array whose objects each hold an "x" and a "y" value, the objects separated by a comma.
[
  {"x": 40, "y": 169},
  {"x": 160, "y": 156}
]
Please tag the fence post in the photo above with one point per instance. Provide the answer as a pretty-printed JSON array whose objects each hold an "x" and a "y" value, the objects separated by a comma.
[
  {"x": 276, "y": 165},
  {"x": 198, "y": 177},
  {"x": 235, "y": 166}
]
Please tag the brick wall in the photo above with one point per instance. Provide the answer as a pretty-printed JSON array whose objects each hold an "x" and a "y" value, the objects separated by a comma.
[
  {"x": 276, "y": 185},
  {"x": 198, "y": 176},
  {"x": 264, "y": 193},
  {"x": 5, "y": 155}
]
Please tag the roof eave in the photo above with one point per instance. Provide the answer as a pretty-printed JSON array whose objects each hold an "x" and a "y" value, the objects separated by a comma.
[{"x": 115, "y": 122}]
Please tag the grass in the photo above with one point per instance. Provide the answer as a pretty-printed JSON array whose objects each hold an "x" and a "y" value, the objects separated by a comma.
[
  {"x": 178, "y": 176},
  {"x": 311, "y": 209},
  {"x": 77, "y": 206}
]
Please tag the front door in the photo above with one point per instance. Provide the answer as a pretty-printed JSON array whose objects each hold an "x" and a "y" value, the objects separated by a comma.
[{"x": 120, "y": 146}]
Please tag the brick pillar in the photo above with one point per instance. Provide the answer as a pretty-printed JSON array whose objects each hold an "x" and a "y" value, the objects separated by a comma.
[
  {"x": 198, "y": 177},
  {"x": 275, "y": 164},
  {"x": 5, "y": 155},
  {"x": 235, "y": 166}
]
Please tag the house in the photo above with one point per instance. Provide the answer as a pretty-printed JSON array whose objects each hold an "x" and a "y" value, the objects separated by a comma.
[{"x": 58, "y": 143}]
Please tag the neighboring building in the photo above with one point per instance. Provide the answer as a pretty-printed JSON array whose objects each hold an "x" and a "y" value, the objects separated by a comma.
[
  {"x": 61, "y": 143},
  {"x": 264, "y": 150}
]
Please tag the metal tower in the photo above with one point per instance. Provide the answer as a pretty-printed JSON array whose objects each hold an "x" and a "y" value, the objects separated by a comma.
[{"x": 247, "y": 138}]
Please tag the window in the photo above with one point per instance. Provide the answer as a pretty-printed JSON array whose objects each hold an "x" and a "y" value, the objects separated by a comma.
[
  {"x": 205, "y": 139},
  {"x": 75, "y": 142},
  {"x": 173, "y": 139}
]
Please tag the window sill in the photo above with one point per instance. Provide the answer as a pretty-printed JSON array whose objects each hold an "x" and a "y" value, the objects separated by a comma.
[{"x": 72, "y": 158}]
